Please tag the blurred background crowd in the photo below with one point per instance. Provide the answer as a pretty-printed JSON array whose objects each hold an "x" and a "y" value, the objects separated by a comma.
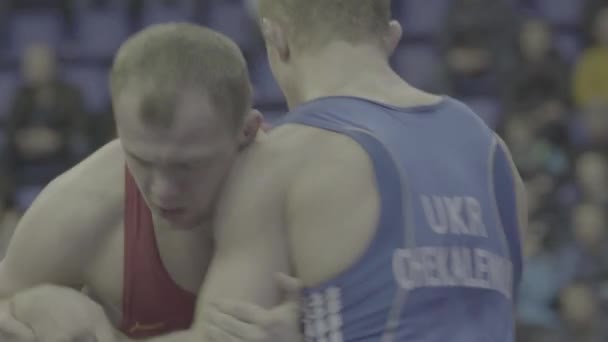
[{"x": 534, "y": 70}]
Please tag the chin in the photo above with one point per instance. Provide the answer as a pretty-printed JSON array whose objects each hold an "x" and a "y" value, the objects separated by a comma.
[
  {"x": 183, "y": 224},
  {"x": 179, "y": 220},
  {"x": 193, "y": 222}
]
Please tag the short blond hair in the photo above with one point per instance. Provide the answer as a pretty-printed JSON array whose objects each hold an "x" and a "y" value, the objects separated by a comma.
[
  {"x": 314, "y": 23},
  {"x": 176, "y": 55}
]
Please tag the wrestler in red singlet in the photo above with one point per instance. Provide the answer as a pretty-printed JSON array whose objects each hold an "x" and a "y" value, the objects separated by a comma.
[{"x": 153, "y": 304}]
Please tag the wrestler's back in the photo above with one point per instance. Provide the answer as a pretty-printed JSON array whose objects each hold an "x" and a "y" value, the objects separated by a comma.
[{"x": 362, "y": 173}]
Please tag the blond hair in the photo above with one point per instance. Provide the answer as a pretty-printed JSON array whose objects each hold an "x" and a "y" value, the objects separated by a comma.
[{"x": 314, "y": 23}]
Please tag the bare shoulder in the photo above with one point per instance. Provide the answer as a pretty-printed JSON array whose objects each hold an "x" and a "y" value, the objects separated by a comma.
[
  {"x": 330, "y": 196},
  {"x": 101, "y": 174},
  {"x": 311, "y": 152},
  {"x": 300, "y": 160},
  {"x": 319, "y": 164},
  {"x": 286, "y": 157},
  {"x": 91, "y": 190},
  {"x": 62, "y": 229}
]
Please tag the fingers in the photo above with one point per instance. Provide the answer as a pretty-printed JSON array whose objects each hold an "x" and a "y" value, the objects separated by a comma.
[
  {"x": 17, "y": 332},
  {"x": 291, "y": 286},
  {"x": 245, "y": 312},
  {"x": 11, "y": 329},
  {"x": 237, "y": 328},
  {"x": 215, "y": 334}
]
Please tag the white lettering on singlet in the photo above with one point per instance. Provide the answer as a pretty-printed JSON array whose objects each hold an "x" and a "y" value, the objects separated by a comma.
[
  {"x": 454, "y": 215},
  {"x": 322, "y": 316},
  {"x": 452, "y": 266},
  {"x": 456, "y": 265}
]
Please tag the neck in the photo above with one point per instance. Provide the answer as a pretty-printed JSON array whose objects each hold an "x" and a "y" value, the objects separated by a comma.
[
  {"x": 162, "y": 226},
  {"x": 341, "y": 69}
]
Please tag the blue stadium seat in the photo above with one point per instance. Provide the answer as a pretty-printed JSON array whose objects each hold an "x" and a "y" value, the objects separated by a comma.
[
  {"x": 9, "y": 81},
  {"x": 233, "y": 19},
  {"x": 100, "y": 32},
  {"x": 266, "y": 89},
  {"x": 93, "y": 83},
  {"x": 561, "y": 12},
  {"x": 158, "y": 11},
  {"x": 419, "y": 64},
  {"x": 35, "y": 26},
  {"x": 423, "y": 18}
]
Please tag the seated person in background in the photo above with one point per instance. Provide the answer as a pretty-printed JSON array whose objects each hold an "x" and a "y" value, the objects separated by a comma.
[
  {"x": 591, "y": 72},
  {"x": 46, "y": 117},
  {"x": 477, "y": 41}
]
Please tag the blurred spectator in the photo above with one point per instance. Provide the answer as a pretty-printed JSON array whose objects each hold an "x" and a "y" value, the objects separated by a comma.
[
  {"x": 590, "y": 129},
  {"x": 581, "y": 315},
  {"x": 585, "y": 257},
  {"x": 541, "y": 283},
  {"x": 591, "y": 74},
  {"x": 592, "y": 177},
  {"x": 536, "y": 91},
  {"x": 47, "y": 116},
  {"x": 550, "y": 118},
  {"x": 519, "y": 136},
  {"x": 590, "y": 11},
  {"x": 539, "y": 75},
  {"x": 536, "y": 142},
  {"x": 477, "y": 41}
]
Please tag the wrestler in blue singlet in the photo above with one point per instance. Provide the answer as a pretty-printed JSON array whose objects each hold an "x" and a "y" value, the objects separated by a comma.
[{"x": 445, "y": 260}]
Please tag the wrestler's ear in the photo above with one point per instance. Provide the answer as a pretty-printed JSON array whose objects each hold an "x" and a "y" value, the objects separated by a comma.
[
  {"x": 275, "y": 36},
  {"x": 251, "y": 126},
  {"x": 393, "y": 36}
]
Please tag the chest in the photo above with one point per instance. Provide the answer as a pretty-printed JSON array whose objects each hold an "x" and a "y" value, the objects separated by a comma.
[{"x": 184, "y": 258}]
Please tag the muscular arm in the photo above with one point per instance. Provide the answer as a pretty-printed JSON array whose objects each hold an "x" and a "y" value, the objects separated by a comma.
[
  {"x": 40, "y": 248},
  {"x": 57, "y": 236}
]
